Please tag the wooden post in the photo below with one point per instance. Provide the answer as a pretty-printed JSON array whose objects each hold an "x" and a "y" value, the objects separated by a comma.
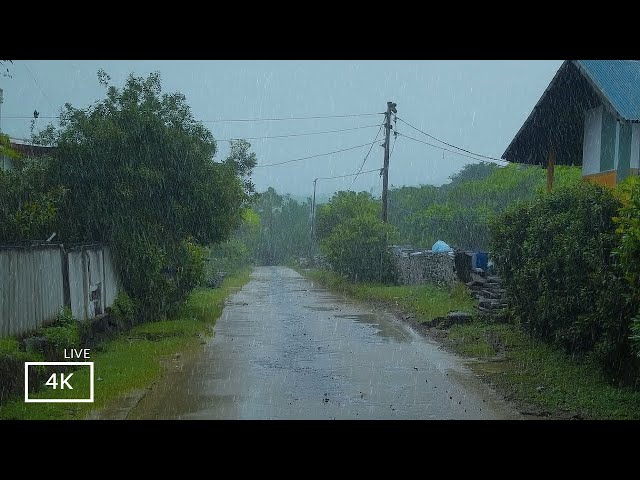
[
  {"x": 391, "y": 108},
  {"x": 313, "y": 220},
  {"x": 550, "y": 167}
]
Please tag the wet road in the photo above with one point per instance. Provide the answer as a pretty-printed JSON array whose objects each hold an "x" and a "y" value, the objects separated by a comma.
[{"x": 284, "y": 348}]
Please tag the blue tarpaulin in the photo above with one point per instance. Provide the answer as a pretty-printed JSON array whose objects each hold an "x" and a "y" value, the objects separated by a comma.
[{"x": 441, "y": 246}]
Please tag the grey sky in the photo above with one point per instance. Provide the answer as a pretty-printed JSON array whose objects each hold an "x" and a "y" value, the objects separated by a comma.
[{"x": 478, "y": 105}]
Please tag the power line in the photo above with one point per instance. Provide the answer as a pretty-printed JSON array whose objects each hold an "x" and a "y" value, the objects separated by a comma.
[
  {"x": 290, "y": 118},
  {"x": 38, "y": 85},
  {"x": 30, "y": 118},
  {"x": 366, "y": 156},
  {"x": 299, "y": 134},
  {"x": 221, "y": 120},
  {"x": 312, "y": 156},
  {"x": 395, "y": 139},
  {"x": 349, "y": 175},
  {"x": 445, "y": 149},
  {"x": 449, "y": 144}
]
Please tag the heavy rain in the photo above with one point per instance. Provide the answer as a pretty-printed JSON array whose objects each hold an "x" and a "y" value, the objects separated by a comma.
[{"x": 319, "y": 240}]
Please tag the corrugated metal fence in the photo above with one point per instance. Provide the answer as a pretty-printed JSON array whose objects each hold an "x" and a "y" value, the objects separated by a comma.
[{"x": 38, "y": 280}]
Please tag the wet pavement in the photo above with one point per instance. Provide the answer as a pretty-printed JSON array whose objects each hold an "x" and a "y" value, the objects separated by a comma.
[{"x": 285, "y": 348}]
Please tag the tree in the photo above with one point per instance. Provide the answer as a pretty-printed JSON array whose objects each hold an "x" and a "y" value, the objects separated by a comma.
[
  {"x": 354, "y": 238},
  {"x": 344, "y": 206},
  {"x": 243, "y": 161},
  {"x": 284, "y": 232},
  {"x": 140, "y": 176},
  {"x": 29, "y": 203},
  {"x": 358, "y": 249},
  {"x": 5, "y": 68}
]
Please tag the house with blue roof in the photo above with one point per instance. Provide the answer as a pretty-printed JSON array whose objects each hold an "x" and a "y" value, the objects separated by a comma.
[{"x": 589, "y": 115}]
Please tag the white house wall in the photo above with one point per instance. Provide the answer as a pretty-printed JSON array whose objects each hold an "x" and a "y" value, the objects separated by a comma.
[
  {"x": 635, "y": 145},
  {"x": 592, "y": 141}
]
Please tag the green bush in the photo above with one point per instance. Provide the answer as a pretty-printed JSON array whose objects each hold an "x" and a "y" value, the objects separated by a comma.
[
  {"x": 12, "y": 359},
  {"x": 629, "y": 248},
  {"x": 63, "y": 333},
  {"x": 124, "y": 309},
  {"x": 358, "y": 249},
  {"x": 563, "y": 283}
]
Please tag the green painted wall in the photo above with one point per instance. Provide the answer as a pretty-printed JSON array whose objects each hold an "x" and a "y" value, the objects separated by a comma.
[
  {"x": 624, "y": 152},
  {"x": 608, "y": 142}
]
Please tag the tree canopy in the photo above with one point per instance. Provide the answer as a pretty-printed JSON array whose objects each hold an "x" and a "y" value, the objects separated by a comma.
[{"x": 140, "y": 176}]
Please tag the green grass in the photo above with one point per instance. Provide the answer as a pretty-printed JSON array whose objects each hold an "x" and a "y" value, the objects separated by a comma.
[
  {"x": 566, "y": 384},
  {"x": 133, "y": 359},
  {"x": 426, "y": 302}
]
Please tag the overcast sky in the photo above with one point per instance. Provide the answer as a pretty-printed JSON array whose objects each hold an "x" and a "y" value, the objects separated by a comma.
[{"x": 478, "y": 105}]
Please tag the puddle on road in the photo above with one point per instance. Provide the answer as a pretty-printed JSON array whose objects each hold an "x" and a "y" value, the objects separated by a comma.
[{"x": 385, "y": 329}]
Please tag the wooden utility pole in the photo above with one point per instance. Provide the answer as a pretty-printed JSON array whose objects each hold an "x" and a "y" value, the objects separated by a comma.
[
  {"x": 551, "y": 163},
  {"x": 391, "y": 108},
  {"x": 313, "y": 217}
]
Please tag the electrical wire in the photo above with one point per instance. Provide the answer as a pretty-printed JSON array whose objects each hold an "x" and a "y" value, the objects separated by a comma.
[
  {"x": 221, "y": 120},
  {"x": 449, "y": 144},
  {"x": 446, "y": 149},
  {"x": 366, "y": 156},
  {"x": 291, "y": 118},
  {"x": 312, "y": 156},
  {"x": 38, "y": 85},
  {"x": 393, "y": 147},
  {"x": 349, "y": 175},
  {"x": 299, "y": 134}
]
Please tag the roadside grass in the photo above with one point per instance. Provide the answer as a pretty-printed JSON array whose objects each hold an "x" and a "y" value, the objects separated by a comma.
[
  {"x": 524, "y": 369},
  {"x": 134, "y": 359},
  {"x": 426, "y": 302},
  {"x": 538, "y": 374}
]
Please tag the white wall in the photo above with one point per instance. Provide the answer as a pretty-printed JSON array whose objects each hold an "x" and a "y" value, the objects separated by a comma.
[
  {"x": 111, "y": 281},
  {"x": 635, "y": 145},
  {"x": 591, "y": 141},
  {"x": 31, "y": 291},
  {"x": 77, "y": 280},
  {"x": 32, "y": 279}
]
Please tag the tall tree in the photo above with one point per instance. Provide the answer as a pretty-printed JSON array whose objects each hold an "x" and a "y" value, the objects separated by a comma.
[{"x": 140, "y": 176}]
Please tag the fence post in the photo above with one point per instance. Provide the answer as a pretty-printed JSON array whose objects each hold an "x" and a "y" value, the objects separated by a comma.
[{"x": 66, "y": 292}]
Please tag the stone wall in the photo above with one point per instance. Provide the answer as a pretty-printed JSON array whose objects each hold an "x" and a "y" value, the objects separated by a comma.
[{"x": 416, "y": 266}]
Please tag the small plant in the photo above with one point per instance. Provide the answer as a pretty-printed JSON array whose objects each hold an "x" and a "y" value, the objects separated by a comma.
[
  {"x": 63, "y": 333},
  {"x": 123, "y": 309},
  {"x": 12, "y": 359}
]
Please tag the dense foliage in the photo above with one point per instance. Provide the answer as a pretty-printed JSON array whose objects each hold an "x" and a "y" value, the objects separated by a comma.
[
  {"x": 563, "y": 283},
  {"x": 139, "y": 174},
  {"x": 460, "y": 212},
  {"x": 29, "y": 201},
  {"x": 344, "y": 206},
  {"x": 354, "y": 239},
  {"x": 628, "y": 249},
  {"x": 237, "y": 252},
  {"x": 284, "y": 228}
]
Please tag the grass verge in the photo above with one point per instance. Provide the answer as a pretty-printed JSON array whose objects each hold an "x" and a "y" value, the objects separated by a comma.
[
  {"x": 426, "y": 302},
  {"x": 133, "y": 359},
  {"x": 536, "y": 374},
  {"x": 540, "y": 378}
]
